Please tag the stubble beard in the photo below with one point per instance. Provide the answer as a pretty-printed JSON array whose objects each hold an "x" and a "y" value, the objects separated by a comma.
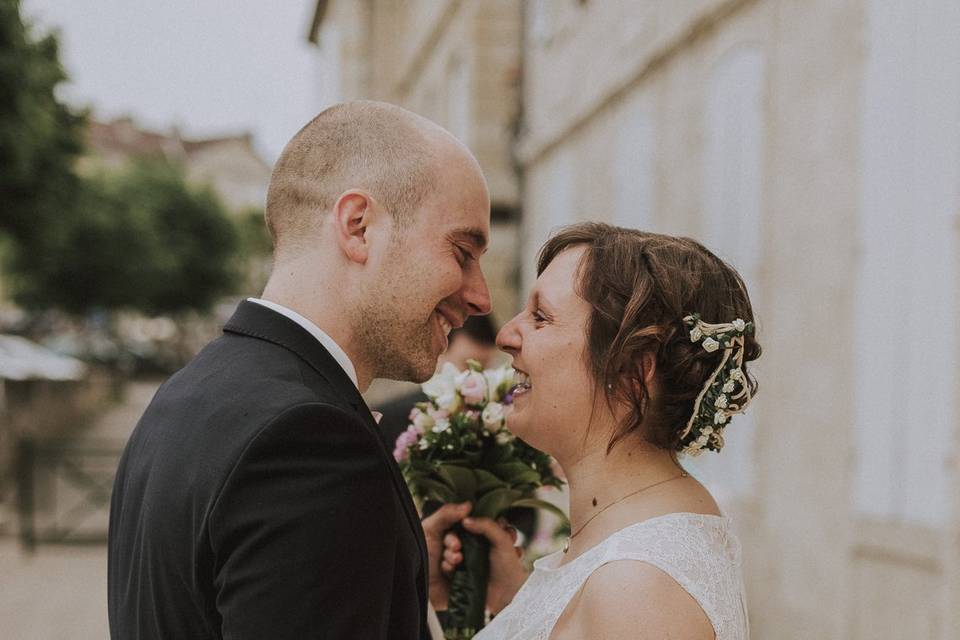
[{"x": 397, "y": 346}]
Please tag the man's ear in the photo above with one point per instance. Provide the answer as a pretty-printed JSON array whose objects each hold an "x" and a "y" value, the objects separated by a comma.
[{"x": 352, "y": 214}]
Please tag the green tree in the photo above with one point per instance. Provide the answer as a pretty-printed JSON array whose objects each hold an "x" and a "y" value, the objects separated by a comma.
[
  {"x": 142, "y": 239},
  {"x": 40, "y": 137}
]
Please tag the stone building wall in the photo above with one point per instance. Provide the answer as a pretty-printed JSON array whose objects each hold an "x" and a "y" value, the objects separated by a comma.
[{"x": 815, "y": 146}]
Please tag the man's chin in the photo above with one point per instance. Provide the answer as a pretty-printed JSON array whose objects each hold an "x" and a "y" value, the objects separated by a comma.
[{"x": 417, "y": 368}]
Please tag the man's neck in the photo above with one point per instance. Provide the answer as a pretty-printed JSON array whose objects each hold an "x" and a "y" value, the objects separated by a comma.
[{"x": 330, "y": 320}]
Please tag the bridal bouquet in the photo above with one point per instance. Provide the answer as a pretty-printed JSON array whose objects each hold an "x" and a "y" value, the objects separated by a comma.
[{"x": 458, "y": 449}]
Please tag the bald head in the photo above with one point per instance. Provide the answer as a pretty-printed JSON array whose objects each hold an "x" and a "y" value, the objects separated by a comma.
[{"x": 390, "y": 152}]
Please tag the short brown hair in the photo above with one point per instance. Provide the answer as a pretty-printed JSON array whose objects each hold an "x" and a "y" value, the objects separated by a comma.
[
  {"x": 363, "y": 144},
  {"x": 640, "y": 286}
]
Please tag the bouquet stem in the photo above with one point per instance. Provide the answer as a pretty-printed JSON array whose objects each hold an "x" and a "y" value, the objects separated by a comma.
[{"x": 468, "y": 586}]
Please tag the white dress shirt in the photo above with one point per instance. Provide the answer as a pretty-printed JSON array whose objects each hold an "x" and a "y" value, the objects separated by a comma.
[{"x": 328, "y": 343}]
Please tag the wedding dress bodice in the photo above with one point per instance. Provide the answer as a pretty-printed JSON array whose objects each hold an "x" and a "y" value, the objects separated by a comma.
[{"x": 699, "y": 551}]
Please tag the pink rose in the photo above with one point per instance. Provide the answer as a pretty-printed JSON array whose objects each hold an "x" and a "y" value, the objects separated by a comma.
[
  {"x": 438, "y": 414},
  {"x": 474, "y": 388},
  {"x": 409, "y": 437}
]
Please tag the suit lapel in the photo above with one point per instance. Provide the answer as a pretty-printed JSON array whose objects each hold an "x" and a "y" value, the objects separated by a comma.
[{"x": 255, "y": 320}]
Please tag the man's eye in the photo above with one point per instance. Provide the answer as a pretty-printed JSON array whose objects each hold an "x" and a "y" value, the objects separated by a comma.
[{"x": 537, "y": 316}]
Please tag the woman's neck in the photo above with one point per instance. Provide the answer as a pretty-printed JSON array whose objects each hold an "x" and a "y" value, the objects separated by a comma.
[{"x": 597, "y": 479}]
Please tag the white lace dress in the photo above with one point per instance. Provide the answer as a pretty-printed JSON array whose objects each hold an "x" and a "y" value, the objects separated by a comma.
[{"x": 699, "y": 551}]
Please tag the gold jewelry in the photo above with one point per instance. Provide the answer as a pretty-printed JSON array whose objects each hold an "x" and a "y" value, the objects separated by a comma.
[{"x": 566, "y": 545}]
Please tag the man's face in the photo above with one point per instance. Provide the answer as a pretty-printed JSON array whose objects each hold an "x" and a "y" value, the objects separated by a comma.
[{"x": 430, "y": 279}]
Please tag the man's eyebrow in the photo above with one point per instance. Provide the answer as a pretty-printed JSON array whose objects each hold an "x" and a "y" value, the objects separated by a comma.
[{"x": 476, "y": 237}]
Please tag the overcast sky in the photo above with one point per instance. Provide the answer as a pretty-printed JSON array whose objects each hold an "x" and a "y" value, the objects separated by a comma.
[{"x": 210, "y": 67}]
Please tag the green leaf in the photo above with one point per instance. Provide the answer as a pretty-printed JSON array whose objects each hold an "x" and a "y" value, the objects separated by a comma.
[
  {"x": 535, "y": 503},
  {"x": 515, "y": 472},
  {"x": 460, "y": 479},
  {"x": 486, "y": 481},
  {"x": 500, "y": 454},
  {"x": 495, "y": 502},
  {"x": 429, "y": 488}
]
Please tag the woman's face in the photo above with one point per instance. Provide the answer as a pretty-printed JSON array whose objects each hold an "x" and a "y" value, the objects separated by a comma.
[{"x": 547, "y": 340}]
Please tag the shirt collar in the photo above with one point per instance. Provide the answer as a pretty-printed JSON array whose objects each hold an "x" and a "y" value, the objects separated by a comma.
[{"x": 328, "y": 343}]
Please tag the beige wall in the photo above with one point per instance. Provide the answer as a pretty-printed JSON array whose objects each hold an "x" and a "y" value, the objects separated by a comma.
[{"x": 640, "y": 139}]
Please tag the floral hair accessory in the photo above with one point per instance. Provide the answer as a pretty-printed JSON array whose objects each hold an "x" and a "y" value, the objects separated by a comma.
[{"x": 726, "y": 392}]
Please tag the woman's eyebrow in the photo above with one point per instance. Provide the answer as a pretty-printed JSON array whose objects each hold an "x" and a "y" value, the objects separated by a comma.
[{"x": 539, "y": 300}]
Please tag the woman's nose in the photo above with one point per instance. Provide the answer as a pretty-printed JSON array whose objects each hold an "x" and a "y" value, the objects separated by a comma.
[{"x": 508, "y": 339}]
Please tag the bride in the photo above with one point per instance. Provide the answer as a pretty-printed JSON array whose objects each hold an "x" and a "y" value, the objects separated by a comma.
[{"x": 632, "y": 348}]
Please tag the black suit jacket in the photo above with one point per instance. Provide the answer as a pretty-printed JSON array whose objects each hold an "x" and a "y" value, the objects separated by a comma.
[{"x": 257, "y": 499}]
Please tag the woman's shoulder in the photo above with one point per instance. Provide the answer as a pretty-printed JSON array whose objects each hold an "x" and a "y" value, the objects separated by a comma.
[{"x": 624, "y": 599}]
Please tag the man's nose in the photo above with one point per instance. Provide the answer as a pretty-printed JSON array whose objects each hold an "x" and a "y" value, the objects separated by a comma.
[{"x": 477, "y": 294}]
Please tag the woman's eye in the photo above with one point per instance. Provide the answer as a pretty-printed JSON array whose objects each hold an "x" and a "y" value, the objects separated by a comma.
[{"x": 537, "y": 316}]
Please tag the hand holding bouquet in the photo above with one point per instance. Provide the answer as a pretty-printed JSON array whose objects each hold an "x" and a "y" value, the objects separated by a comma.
[{"x": 457, "y": 449}]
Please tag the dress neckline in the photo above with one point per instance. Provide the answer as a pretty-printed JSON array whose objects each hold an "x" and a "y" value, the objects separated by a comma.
[{"x": 551, "y": 563}]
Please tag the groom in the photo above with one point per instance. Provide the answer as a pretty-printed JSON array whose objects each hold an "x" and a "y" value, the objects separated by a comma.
[{"x": 256, "y": 497}]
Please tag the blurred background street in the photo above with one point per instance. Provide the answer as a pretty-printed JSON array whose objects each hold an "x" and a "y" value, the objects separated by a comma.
[{"x": 59, "y": 592}]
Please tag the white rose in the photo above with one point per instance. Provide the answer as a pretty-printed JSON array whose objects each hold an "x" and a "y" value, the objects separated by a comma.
[
  {"x": 423, "y": 421},
  {"x": 729, "y": 386},
  {"x": 442, "y": 425},
  {"x": 497, "y": 377},
  {"x": 492, "y": 416},
  {"x": 696, "y": 334},
  {"x": 710, "y": 345},
  {"x": 739, "y": 325},
  {"x": 442, "y": 383},
  {"x": 721, "y": 401},
  {"x": 448, "y": 402},
  {"x": 461, "y": 376}
]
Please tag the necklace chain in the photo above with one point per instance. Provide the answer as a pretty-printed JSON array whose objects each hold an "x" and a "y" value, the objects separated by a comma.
[{"x": 573, "y": 535}]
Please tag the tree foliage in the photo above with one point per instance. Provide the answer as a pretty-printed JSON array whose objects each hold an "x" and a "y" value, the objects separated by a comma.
[
  {"x": 141, "y": 239},
  {"x": 40, "y": 137}
]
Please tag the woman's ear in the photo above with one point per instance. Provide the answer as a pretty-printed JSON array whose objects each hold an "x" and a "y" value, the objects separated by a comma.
[
  {"x": 645, "y": 370},
  {"x": 352, "y": 213},
  {"x": 647, "y": 366}
]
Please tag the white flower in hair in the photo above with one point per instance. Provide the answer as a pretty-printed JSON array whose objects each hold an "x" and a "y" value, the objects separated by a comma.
[
  {"x": 729, "y": 386},
  {"x": 739, "y": 325},
  {"x": 696, "y": 334},
  {"x": 736, "y": 374},
  {"x": 719, "y": 418},
  {"x": 710, "y": 345},
  {"x": 721, "y": 401},
  {"x": 692, "y": 451}
]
